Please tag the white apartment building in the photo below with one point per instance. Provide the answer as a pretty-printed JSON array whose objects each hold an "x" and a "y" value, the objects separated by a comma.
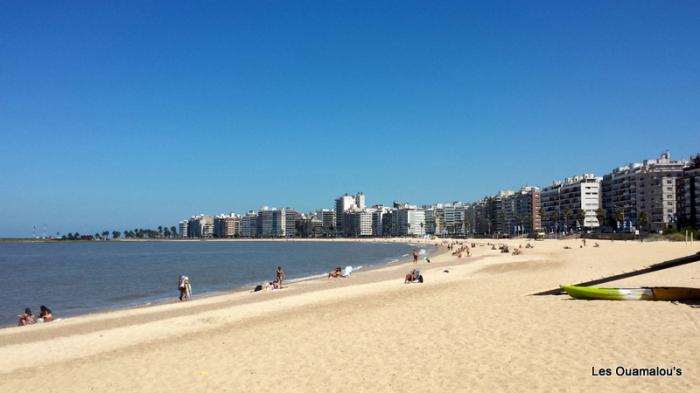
[
  {"x": 358, "y": 222},
  {"x": 572, "y": 203},
  {"x": 182, "y": 227},
  {"x": 648, "y": 187},
  {"x": 408, "y": 221},
  {"x": 343, "y": 204}
]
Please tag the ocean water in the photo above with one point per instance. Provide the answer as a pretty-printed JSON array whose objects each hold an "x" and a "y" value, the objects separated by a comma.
[{"x": 75, "y": 278}]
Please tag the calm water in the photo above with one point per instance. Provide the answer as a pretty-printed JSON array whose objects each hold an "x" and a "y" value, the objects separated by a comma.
[{"x": 76, "y": 278}]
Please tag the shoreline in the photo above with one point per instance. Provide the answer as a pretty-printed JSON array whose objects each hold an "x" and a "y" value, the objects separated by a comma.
[
  {"x": 237, "y": 289},
  {"x": 459, "y": 329}
]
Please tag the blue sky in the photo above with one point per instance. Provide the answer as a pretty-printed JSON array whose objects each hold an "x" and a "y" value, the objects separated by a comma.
[{"x": 118, "y": 116}]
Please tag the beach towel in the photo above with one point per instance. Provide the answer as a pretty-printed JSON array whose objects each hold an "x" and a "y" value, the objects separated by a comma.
[{"x": 347, "y": 271}]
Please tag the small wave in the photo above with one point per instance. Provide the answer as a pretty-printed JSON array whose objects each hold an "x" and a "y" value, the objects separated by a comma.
[
  {"x": 132, "y": 296},
  {"x": 393, "y": 261},
  {"x": 404, "y": 255},
  {"x": 293, "y": 280}
]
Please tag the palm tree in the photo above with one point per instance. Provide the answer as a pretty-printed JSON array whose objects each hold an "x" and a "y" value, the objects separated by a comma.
[
  {"x": 115, "y": 235},
  {"x": 567, "y": 216},
  {"x": 555, "y": 219},
  {"x": 581, "y": 216},
  {"x": 160, "y": 230},
  {"x": 619, "y": 217},
  {"x": 600, "y": 214},
  {"x": 105, "y": 234},
  {"x": 173, "y": 231},
  {"x": 643, "y": 220}
]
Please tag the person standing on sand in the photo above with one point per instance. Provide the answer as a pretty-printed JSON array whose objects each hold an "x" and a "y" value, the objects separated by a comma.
[
  {"x": 182, "y": 287},
  {"x": 415, "y": 256},
  {"x": 280, "y": 275}
]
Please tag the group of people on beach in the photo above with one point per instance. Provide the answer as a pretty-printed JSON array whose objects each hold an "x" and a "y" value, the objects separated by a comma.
[{"x": 28, "y": 318}]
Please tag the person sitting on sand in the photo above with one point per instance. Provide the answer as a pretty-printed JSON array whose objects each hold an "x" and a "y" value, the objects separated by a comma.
[
  {"x": 45, "y": 314},
  {"x": 413, "y": 276},
  {"x": 277, "y": 284},
  {"x": 27, "y": 318},
  {"x": 517, "y": 251},
  {"x": 596, "y": 244},
  {"x": 338, "y": 272}
]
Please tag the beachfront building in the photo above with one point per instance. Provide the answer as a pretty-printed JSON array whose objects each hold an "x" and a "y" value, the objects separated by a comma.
[
  {"x": 271, "y": 222},
  {"x": 379, "y": 213},
  {"x": 431, "y": 226},
  {"x": 643, "y": 194},
  {"x": 249, "y": 224},
  {"x": 520, "y": 211},
  {"x": 579, "y": 199},
  {"x": 328, "y": 221},
  {"x": 388, "y": 222},
  {"x": 479, "y": 217},
  {"x": 310, "y": 225},
  {"x": 504, "y": 217},
  {"x": 227, "y": 225},
  {"x": 688, "y": 195},
  {"x": 450, "y": 219},
  {"x": 360, "y": 200},
  {"x": 343, "y": 204},
  {"x": 182, "y": 227},
  {"x": 571, "y": 204},
  {"x": 549, "y": 204},
  {"x": 292, "y": 220},
  {"x": 408, "y": 220},
  {"x": 358, "y": 223},
  {"x": 200, "y": 226}
]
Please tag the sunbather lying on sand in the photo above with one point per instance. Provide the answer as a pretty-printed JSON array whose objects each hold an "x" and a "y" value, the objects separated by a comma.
[{"x": 338, "y": 272}]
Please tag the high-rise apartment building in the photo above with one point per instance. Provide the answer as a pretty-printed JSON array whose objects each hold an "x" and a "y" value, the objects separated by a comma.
[
  {"x": 271, "y": 222},
  {"x": 292, "y": 221},
  {"x": 182, "y": 228},
  {"x": 688, "y": 195},
  {"x": 571, "y": 203},
  {"x": 227, "y": 226},
  {"x": 643, "y": 194},
  {"x": 408, "y": 221},
  {"x": 343, "y": 204},
  {"x": 249, "y": 224},
  {"x": 200, "y": 226},
  {"x": 358, "y": 222}
]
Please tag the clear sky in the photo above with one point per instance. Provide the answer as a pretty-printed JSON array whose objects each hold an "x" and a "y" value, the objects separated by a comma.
[{"x": 140, "y": 114}]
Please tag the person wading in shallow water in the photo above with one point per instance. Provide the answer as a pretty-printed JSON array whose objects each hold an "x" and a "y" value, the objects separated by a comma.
[
  {"x": 415, "y": 256},
  {"x": 280, "y": 275}
]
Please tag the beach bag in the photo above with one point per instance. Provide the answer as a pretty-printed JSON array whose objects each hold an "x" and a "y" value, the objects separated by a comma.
[
  {"x": 420, "y": 278},
  {"x": 258, "y": 288}
]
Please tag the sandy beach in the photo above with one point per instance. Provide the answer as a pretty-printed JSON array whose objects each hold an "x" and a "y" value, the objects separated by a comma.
[{"x": 475, "y": 328}]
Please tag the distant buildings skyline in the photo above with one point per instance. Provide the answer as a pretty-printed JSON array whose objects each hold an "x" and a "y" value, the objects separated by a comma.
[{"x": 631, "y": 197}]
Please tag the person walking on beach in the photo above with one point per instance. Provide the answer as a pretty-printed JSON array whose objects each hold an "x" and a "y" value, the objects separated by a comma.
[
  {"x": 183, "y": 284},
  {"x": 279, "y": 275},
  {"x": 415, "y": 256}
]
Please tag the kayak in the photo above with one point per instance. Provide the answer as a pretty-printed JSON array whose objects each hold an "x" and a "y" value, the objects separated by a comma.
[{"x": 643, "y": 293}]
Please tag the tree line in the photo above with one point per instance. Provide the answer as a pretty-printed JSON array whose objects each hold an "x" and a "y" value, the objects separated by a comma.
[{"x": 162, "y": 232}]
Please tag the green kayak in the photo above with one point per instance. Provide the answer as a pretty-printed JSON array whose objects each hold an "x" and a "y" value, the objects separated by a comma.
[{"x": 643, "y": 293}]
